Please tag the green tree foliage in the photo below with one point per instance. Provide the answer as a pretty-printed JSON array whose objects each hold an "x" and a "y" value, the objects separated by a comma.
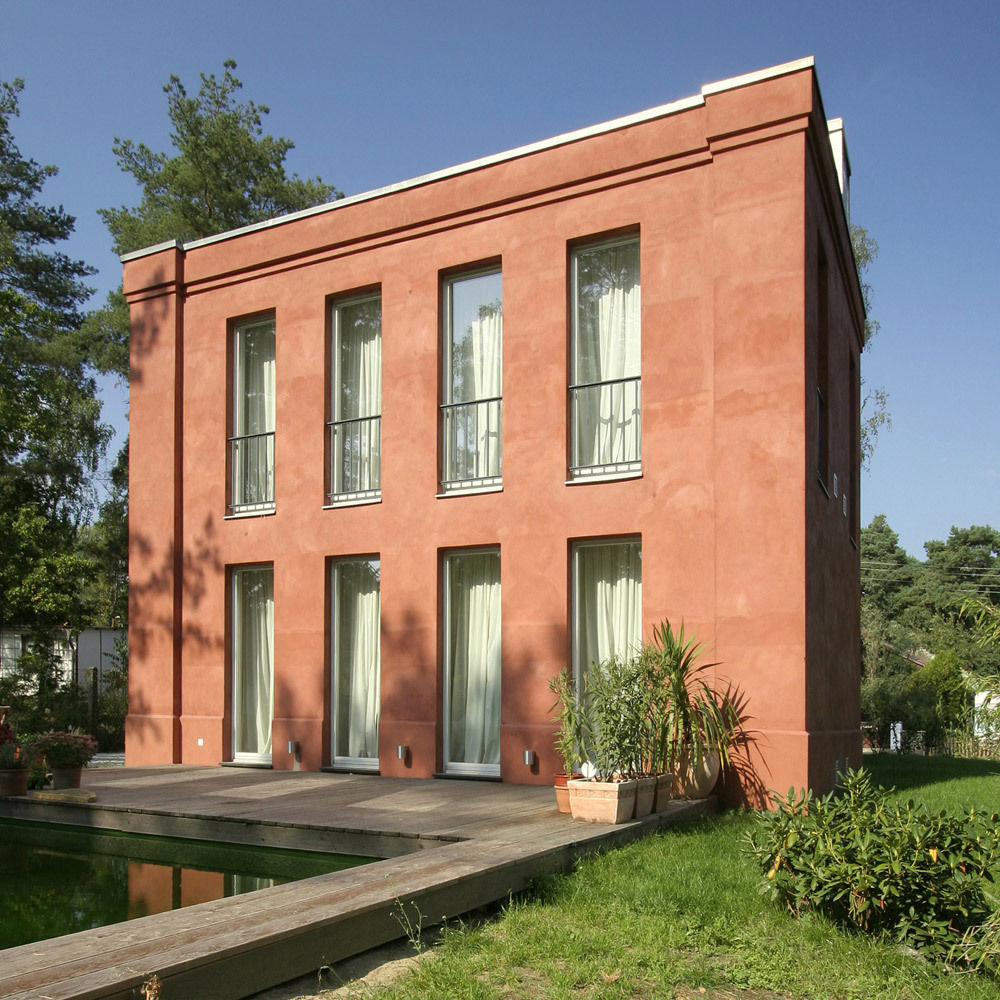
[
  {"x": 875, "y": 415},
  {"x": 225, "y": 172},
  {"x": 51, "y": 437}
]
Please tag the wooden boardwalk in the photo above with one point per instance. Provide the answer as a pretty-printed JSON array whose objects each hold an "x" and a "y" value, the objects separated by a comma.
[{"x": 449, "y": 847}]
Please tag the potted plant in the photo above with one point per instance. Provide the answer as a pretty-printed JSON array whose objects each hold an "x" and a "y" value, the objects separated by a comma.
[
  {"x": 695, "y": 726},
  {"x": 14, "y": 762},
  {"x": 569, "y": 738},
  {"x": 66, "y": 754},
  {"x": 611, "y": 729}
]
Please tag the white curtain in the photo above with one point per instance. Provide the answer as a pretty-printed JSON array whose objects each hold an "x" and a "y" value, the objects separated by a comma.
[
  {"x": 253, "y": 660},
  {"x": 473, "y": 668},
  {"x": 609, "y": 602},
  {"x": 357, "y": 659},
  {"x": 608, "y": 348},
  {"x": 357, "y": 458},
  {"x": 254, "y": 414}
]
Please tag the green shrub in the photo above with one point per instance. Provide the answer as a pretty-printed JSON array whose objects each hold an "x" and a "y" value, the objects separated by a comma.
[{"x": 876, "y": 864}]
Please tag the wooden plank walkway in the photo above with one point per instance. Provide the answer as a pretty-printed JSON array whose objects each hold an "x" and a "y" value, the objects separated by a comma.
[{"x": 449, "y": 847}]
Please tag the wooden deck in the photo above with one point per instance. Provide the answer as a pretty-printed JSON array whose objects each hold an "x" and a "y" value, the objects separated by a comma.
[{"x": 449, "y": 847}]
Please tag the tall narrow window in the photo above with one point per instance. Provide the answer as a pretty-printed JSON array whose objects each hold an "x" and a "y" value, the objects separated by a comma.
[
  {"x": 607, "y": 601},
  {"x": 253, "y": 663},
  {"x": 355, "y": 430},
  {"x": 605, "y": 397},
  {"x": 356, "y": 661},
  {"x": 252, "y": 443},
  {"x": 472, "y": 662},
  {"x": 472, "y": 382},
  {"x": 854, "y": 451}
]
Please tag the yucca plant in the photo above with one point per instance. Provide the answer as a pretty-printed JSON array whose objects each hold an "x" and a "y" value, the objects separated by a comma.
[{"x": 689, "y": 720}]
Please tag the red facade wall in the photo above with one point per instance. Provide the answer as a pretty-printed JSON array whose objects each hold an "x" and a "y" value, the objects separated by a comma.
[{"x": 731, "y": 196}]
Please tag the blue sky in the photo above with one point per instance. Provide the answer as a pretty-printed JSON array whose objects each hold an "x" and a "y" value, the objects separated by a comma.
[{"x": 375, "y": 92}]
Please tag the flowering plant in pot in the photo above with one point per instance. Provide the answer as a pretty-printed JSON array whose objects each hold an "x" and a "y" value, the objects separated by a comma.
[
  {"x": 65, "y": 754},
  {"x": 695, "y": 725},
  {"x": 15, "y": 758}
]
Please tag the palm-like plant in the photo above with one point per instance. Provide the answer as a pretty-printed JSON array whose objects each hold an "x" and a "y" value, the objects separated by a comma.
[{"x": 689, "y": 719}]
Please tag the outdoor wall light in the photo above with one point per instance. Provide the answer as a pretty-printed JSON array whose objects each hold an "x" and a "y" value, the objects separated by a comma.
[
  {"x": 402, "y": 750},
  {"x": 292, "y": 747},
  {"x": 529, "y": 758}
]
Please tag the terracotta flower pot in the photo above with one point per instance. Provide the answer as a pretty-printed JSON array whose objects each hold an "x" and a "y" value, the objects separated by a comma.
[
  {"x": 562, "y": 793},
  {"x": 66, "y": 777},
  {"x": 664, "y": 791},
  {"x": 602, "y": 801},
  {"x": 14, "y": 781},
  {"x": 645, "y": 796},
  {"x": 697, "y": 782}
]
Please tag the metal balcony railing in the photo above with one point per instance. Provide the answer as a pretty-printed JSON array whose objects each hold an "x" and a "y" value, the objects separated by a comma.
[
  {"x": 355, "y": 458},
  {"x": 252, "y": 473},
  {"x": 606, "y": 428},
  {"x": 471, "y": 444}
]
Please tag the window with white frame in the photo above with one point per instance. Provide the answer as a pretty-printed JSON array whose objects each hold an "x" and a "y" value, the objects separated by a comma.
[
  {"x": 472, "y": 662},
  {"x": 605, "y": 386},
  {"x": 607, "y": 601},
  {"x": 252, "y": 636},
  {"x": 472, "y": 381},
  {"x": 252, "y": 443},
  {"x": 355, "y": 661},
  {"x": 355, "y": 427}
]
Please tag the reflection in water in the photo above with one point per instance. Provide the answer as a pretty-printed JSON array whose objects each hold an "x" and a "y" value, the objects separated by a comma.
[{"x": 58, "y": 880}]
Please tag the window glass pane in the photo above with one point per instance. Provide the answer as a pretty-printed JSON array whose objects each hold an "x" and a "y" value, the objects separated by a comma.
[
  {"x": 359, "y": 329},
  {"x": 253, "y": 660},
  {"x": 254, "y": 389},
  {"x": 608, "y": 601},
  {"x": 357, "y": 657},
  {"x": 473, "y": 664},
  {"x": 475, "y": 332}
]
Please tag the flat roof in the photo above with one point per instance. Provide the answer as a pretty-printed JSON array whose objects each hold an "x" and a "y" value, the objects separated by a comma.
[{"x": 660, "y": 111}]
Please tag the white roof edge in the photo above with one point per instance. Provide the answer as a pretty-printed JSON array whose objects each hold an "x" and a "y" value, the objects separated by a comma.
[
  {"x": 650, "y": 114},
  {"x": 147, "y": 251},
  {"x": 783, "y": 69}
]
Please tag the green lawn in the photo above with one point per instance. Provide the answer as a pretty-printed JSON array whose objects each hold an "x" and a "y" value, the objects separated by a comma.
[{"x": 679, "y": 915}]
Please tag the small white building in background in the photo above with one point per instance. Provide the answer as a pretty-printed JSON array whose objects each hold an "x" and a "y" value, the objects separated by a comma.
[{"x": 75, "y": 652}]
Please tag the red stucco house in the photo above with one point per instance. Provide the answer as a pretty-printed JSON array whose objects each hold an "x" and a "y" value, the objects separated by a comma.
[{"x": 397, "y": 459}]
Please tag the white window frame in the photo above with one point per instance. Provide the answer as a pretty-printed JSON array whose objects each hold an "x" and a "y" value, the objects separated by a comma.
[
  {"x": 460, "y": 767},
  {"x": 345, "y": 762},
  {"x": 243, "y": 756},
  {"x": 476, "y": 484},
  {"x": 607, "y": 470},
  {"x": 345, "y": 498}
]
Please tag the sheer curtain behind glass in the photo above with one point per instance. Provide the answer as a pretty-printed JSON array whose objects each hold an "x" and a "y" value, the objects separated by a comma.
[
  {"x": 607, "y": 353},
  {"x": 473, "y": 667},
  {"x": 253, "y": 417},
  {"x": 253, "y": 660},
  {"x": 357, "y": 658},
  {"x": 608, "y": 601},
  {"x": 474, "y": 382},
  {"x": 358, "y": 397}
]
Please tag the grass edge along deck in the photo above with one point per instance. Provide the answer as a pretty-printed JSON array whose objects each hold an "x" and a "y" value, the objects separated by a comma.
[{"x": 230, "y": 948}]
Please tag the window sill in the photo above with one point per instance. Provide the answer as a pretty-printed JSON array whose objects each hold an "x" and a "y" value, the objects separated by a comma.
[
  {"x": 237, "y": 515},
  {"x": 465, "y": 491},
  {"x": 605, "y": 477},
  {"x": 352, "y": 500}
]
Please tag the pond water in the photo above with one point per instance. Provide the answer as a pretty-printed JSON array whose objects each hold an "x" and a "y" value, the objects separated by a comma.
[{"x": 61, "y": 879}]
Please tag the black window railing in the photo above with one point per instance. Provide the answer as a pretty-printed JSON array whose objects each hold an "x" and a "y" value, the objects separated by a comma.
[
  {"x": 471, "y": 444},
  {"x": 355, "y": 458},
  {"x": 606, "y": 422},
  {"x": 252, "y": 473}
]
